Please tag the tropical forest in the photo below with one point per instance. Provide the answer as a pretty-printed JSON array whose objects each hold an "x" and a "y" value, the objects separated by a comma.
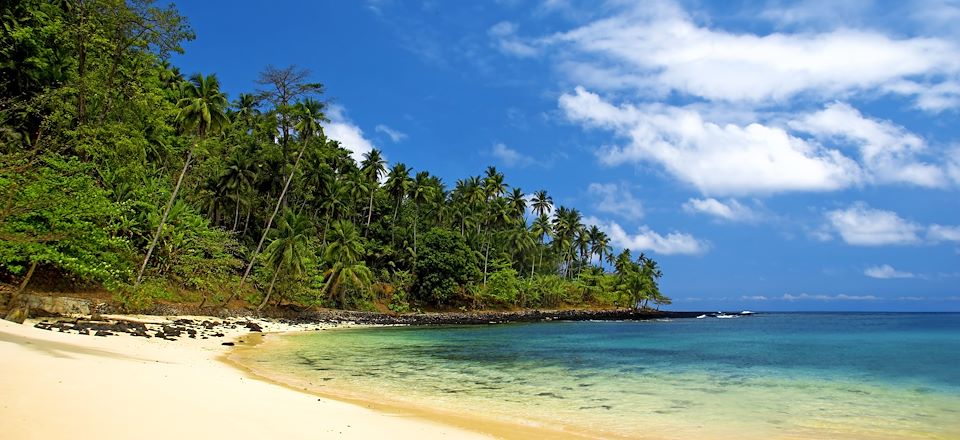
[{"x": 123, "y": 175}]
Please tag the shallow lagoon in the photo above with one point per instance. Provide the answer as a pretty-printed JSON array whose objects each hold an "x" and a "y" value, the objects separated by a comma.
[{"x": 787, "y": 375}]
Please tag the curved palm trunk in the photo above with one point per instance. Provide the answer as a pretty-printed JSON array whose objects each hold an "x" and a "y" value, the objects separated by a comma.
[
  {"x": 18, "y": 313},
  {"x": 369, "y": 214},
  {"x": 416, "y": 220},
  {"x": 236, "y": 213},
  {"x": 269, "y": 289},
  {"x": 263, "y": 236},
  {"x": 163, "y": 220}
]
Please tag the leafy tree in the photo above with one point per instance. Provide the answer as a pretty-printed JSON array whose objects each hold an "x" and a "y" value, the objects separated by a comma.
[
  {"x": 444, "y": 267},
  {"x": 289, "y": 251},
  {"x": 345, "y": 255},
  {"x": 202, "y": 112}
]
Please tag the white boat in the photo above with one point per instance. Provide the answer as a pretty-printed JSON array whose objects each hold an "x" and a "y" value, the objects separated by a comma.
[
  {"x": 746, "y": 312},
  {"x": 725, "y": 316},
  {"x": 701, "y": 316}
]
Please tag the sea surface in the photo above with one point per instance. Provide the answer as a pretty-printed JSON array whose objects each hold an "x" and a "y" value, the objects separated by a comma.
[{"x": 773, "y": 375}]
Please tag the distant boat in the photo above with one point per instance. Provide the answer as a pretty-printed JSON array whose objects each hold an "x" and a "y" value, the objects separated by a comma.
[
  {"x": 701, "y": 316},
  {"x": 725, "y": 316},
  {"x": 746, "y": 312}
]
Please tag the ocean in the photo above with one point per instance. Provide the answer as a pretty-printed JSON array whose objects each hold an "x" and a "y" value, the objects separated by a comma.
[{"x": 767, "y": 376}]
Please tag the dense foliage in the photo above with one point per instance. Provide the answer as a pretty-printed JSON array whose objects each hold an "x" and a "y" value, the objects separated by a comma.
[{"x": 120, "y": 172}]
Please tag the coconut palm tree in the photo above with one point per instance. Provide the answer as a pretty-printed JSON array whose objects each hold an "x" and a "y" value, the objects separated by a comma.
[
  {"x": 372, "y": 167},
  {"x": 541, "y": 202},
  {"x": 517, "y": 202},
  {"x": 398, "y": 184},
  {"x": 308, "y": 109},
  {"x": 541, "y": 228},
  {"x": 202, "y": 112},
  {"x": 238, "y": 178},
  {"x": 288, "y": 252},
  {"x": 344, "y": 254},
  {"x": 420, "y": 192}
]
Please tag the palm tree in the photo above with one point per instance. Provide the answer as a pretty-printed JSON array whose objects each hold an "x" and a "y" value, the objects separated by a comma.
[
  {"x": 344, "y": 254},
  {"x": 420, "y": 192},
  {"x": 373, "y": 167},
  {"x": 246, "y": 111},
  {"x": 541, "y": 228},
  {"x": 518, "y": 203},
  {"x": 541, "y": 202},
  {"x": 493, "y": 184},
  {"x": 308, "y": 109},
  {"x": 238, "y": 177},
  {"x": 289, "y": 250},
  {"x": 202, "y": 112},
  {"x": 397, "y": 185}
]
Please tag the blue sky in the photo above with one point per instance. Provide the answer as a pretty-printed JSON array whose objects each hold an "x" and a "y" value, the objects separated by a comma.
[{"x": 770, "y": 155}]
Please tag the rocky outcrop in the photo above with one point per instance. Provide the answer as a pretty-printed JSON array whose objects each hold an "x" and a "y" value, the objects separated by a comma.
[{"x": 40, "y": 305}]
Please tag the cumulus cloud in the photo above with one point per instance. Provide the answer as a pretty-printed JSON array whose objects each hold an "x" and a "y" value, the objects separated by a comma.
[
  {"x": 862, "y": 225},
  {"x": 615, "y": 199},
  {"x": 660, "y": 48},
  {"x": 394, "y": 135},
  {"x": 943, "y": 233},
  {"x": 886, "y": 271},
  {"x": 504, "y": 35},
  {"x": 511, "y": 157},
  {"x": 716, "y": 159},
  {"x": 673, "y": 243},
  {"x": 730, "y": 210},
  {"x": 350, "y": 136},
  {"x": 888, "y": 151}
]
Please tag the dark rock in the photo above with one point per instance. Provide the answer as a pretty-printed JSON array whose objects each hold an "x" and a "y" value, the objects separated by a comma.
[
  {"x": 254, "y": 327},
  {"x": 229, "y": 344}
]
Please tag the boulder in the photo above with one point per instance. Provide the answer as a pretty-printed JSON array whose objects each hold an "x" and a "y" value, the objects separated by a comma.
[{"x": 40, "y": 305}]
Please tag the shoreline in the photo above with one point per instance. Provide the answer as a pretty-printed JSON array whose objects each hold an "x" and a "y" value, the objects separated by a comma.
[
  {"x": 489, "y": 426},
  {"x": 119, "y": 387}
]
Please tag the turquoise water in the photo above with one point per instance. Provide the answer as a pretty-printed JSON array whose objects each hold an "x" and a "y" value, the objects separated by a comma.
[{"x": 787, "y": 375}]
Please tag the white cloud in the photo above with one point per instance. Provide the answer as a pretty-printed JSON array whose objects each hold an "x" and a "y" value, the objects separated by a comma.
[
  {"x": 674, "y": 243},
  {"x": 943, "y": 233},
  {"x": 350, "y": 136},
  {"x": 731, "y": 210},
  {"x": 841, "y": 297},
  {"x": 864, "y": 226},
  {"x": 658, "y": 47},
  {"x": 616, "y": 199},
  {"x": 886, "y": 271},
  {"x": 394, "y": 135},
  {"x": 505, "y": 38},
  {"x": 888, "y": 151},
  {"x": 511, "y": 157},
  {"x": 716, "y": 159},
  {"x": 754, "y": 298}
]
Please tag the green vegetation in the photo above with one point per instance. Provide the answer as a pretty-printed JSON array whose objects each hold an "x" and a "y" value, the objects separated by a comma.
[{"x": 117, "y": 172}]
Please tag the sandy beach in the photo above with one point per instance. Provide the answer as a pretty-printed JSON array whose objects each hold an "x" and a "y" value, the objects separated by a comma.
[{"x": 120, "y": 387}]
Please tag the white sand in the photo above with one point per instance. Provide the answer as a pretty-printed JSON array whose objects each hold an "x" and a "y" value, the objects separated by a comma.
[{"x": 122, "y": 387}]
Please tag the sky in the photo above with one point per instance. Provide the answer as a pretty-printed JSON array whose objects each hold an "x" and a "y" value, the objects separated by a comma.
[{"x": 770, "y": 155}]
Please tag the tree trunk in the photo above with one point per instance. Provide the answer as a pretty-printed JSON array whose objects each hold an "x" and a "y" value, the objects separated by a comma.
[
  {"x": 269, "y": 291},
  {"x": 17, "y": 312},
  {"x": 236, "y": 213},
  {"x": 369, "y": 214},
  {"x": 393, "y": 225},
  {"x": 246, "y": 220},
  {"x": 486, "y": 255},
  {"x": 163, "y": 220},
  {"x": 416, "y": 220},
  {"x": 266, "y": 230}
]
